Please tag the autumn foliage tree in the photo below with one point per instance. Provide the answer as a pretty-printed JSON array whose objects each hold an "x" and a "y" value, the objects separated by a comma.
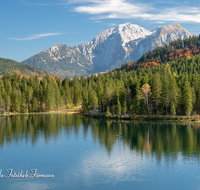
[{"x": 146, "y": 93}]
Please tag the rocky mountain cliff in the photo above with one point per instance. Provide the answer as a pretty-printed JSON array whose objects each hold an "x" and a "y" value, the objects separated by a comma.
[{"x": 108, "y": 50}]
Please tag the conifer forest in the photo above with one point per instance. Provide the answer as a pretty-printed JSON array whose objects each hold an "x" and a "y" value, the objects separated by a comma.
[{"x": 165, "y": 81}]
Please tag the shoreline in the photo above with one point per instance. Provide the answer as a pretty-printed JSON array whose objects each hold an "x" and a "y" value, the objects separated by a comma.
[
  {"x": 179, "y": 118},
  {"x": 70, "y": 111}
]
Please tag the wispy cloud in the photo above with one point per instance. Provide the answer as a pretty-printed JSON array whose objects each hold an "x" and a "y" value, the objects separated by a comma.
[
  {"x": 124, "y": 9},
  {"x": 110, "y": 7},
  {"x": 35, "y": 36},
  {"x": 130, "y": 9}
]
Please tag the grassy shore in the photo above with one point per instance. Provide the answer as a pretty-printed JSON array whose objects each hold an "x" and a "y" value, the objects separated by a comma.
[
  {"x": 64, "y": 111},
  {"x": 76, "y": 110},
  {"x": 146, "y": 117}
]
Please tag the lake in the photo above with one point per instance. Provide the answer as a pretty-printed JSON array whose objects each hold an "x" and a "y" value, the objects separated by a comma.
[{"x": 87, "y": 153}]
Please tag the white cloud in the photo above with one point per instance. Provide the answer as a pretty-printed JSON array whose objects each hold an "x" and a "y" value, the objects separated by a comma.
[
  {"x": 118, "y": 9},
  {"x": 35, "y": 36},
  {"x": 121, "y": 166},
  {"x": 110, "y": 6},
  {"x": 130, "y": 9}
]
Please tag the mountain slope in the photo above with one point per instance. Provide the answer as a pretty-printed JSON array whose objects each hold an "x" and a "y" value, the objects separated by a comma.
[
  {"x": 61, "y": 60},
  {"x": 178, "y": 50},
  {"x": 11, "y": 66},
  {"x": 108, "y": 50}
]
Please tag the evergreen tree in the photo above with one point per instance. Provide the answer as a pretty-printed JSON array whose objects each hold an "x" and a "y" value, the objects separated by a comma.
[
  {"x": 50, "y": 99},
  {"x": 2, "y": 103},
  {"x": 67, "y": 95},
  {"x": 156, "y": 90},
  {"x": 85, "y": 106},
  {"x": 8, "y": 87},
  {"x": 173, "y": 109},
  {"x": 108, "y": 110},
  {"x": 124, "y": 108},
  {"x": 76, "y": 94},
  {"x": 118, "y": 106},
  {"x": 34, "y": 104},
  {"x": 174, "y": 91},
  {"x": 166, "y": 87},
  {"x": 93, "y": 100},
  {"x": 109, "y": 93},
  {"x": 187, "y": 97},
  {"x": 137, "y": 98},
  {"x": 8, "y": 102},
  {"x": 128, "y": 97}
]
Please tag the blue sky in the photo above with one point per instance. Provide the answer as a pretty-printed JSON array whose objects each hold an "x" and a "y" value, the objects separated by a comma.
[{"x": 31, "y": 26}]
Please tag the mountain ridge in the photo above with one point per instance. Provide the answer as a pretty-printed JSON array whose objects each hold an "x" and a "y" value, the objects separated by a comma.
[{"x": 108, "y": 50}]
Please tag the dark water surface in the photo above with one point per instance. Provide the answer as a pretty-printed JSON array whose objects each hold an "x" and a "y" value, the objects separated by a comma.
[{"x": 85, "y": 153}]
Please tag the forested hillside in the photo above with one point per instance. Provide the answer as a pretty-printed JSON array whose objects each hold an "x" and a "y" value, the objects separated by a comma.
[
  {"x": 171, "y": 87},
  {"x": 11, "y": 66},
  {"x": 175, "y": 50},
  {"x": 170, "y": 84}
]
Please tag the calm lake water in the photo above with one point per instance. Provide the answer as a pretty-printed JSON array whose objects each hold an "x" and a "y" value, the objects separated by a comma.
[{"x": 85, "y": 153}]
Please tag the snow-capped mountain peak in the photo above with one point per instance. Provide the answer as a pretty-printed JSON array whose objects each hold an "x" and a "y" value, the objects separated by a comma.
[
  {"x": 108, "y": 50},
  {"x": 131, "y": 32}
]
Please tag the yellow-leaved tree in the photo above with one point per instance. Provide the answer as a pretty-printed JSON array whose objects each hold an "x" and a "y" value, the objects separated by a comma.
[{"x": 146, "y": 93}]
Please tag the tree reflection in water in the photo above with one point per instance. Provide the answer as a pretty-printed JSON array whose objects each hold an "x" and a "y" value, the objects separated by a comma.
[{"x": 154, "y": 138}]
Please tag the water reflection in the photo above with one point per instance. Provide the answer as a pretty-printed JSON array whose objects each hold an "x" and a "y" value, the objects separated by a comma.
[{"x": 156, "y": 139}]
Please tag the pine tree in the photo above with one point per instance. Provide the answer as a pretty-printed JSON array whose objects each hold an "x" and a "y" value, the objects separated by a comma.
[
  {"x": 85, "y": 105},
  {"x": 128, "y": 97},
  {"x": 108, "y": 93},
  {"x": 174, "y": 91},
  {"x": 108, "y": 110},
  {"x": 76, "y": 94},
  {"x": 166, "y": 87},
  {"x": 156, "y": 90},
  {"x": 16, "y": 104},
  {"x": 24, "y": 107},
  {"x": 118, "y": 108},
  {"x": 124, "y": 108},
  {"x": 67, "y": 95},
  {"x": 131, "y": 110},
  {"x": 8, "y": 87},
  {"x": 93, "y": 100},
  {"x": 34, "y": 104},
  {"x": 173, "y": 109},
  {"x": 100, "y": 91},
  {"x": 8, "y": 102},
  {"x": 137, "y": 98},
  {"x": 50, "y": 99},
  {"x": 187, "y": 97},
  {"x": 2, "y": 103},
  {"x": 198, "y": 99}
]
